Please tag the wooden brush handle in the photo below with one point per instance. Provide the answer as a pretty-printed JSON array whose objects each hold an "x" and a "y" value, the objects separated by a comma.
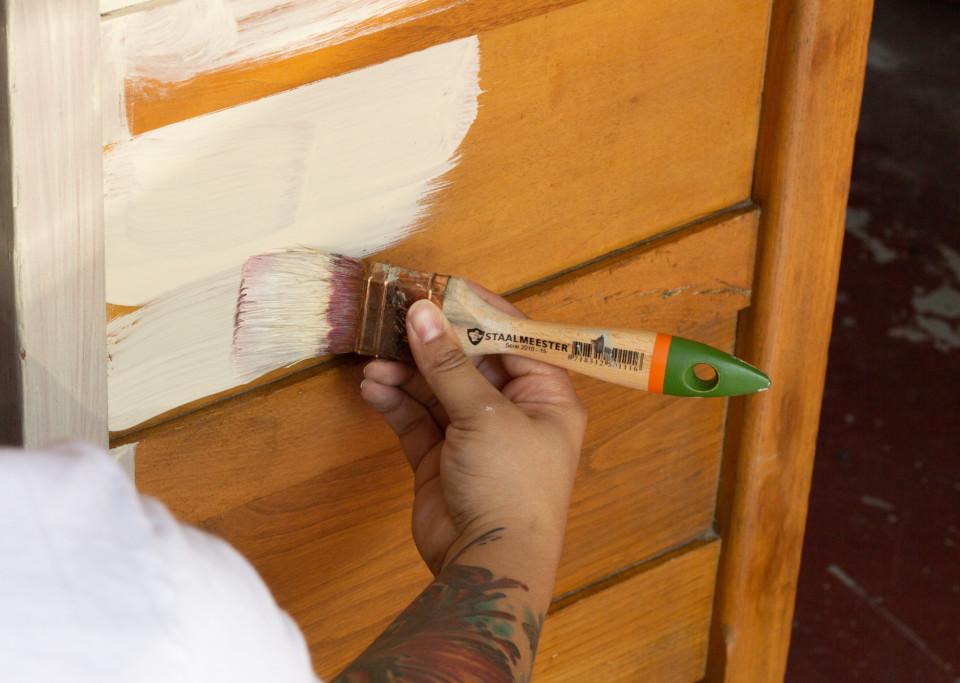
[{"x": 642, "y": 360}]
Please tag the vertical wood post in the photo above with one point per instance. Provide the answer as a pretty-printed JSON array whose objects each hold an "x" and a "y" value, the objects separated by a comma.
[
  {"x": 52, "y": 301},
  {"x": 811, "y": 103}
]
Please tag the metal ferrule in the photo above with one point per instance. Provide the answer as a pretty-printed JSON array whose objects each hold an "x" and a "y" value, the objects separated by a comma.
[{"x": 388, "y": 291}]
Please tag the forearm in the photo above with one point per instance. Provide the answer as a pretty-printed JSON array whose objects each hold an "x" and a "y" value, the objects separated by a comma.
[{"x": 479, "y": 620}]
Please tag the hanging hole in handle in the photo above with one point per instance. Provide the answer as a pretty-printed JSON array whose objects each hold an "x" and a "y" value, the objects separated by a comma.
[{"x": 701, "y": 377}]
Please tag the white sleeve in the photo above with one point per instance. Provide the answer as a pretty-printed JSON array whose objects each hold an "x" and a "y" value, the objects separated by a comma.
[{"x": 98, "y": 583}]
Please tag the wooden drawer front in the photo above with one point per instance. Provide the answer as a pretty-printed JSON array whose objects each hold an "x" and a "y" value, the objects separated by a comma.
[
  {"x": 309, "y": 484},
  {"x": 599, "y": 124},
  {"x": 650, "y": 626}
]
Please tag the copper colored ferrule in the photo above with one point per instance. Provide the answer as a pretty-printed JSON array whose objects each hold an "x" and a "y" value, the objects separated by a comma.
[{"x": 387, "y": 293}]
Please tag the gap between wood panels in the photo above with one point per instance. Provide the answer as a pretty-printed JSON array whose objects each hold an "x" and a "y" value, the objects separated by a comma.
[{"x": 650, "y": 563}]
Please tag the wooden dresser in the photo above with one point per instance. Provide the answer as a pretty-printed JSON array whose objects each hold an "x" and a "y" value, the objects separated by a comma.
[{"x": 674, "y": 166}]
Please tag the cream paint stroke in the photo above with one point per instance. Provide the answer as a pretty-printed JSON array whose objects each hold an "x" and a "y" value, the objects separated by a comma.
[
  {"x": 176, "y": 40},
  {"x": 347, "y": 164},
  {"x": 343, "y": 162}
]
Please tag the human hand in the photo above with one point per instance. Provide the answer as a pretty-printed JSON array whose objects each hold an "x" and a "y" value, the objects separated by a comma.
[{"x": 495, "y": 445}]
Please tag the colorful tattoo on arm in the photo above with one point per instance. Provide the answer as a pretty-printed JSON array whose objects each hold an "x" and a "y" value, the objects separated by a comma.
[{"x": 461, "y": 629}]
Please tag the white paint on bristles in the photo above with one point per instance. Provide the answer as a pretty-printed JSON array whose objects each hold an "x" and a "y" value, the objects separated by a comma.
[{"x": 347, "y": 165}]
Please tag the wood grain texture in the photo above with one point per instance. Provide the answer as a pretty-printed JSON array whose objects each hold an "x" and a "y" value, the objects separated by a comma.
[
  {"x": 650, "y": 626},
  {"x": 612, "y": 124},
  {"x": 309, "y": 484},
  {"x": 811, "y": 103},
  {"x": 52, "y": 322}
]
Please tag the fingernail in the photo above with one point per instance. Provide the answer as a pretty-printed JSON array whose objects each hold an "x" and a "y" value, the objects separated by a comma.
[{"x": 425, "y": 320}]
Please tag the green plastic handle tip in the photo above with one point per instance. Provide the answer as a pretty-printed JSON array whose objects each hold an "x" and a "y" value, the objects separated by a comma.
[{"x": 688, "y": 372}]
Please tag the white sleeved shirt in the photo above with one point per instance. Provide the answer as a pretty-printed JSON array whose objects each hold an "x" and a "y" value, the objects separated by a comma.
[{"x": 100, "y": 584}]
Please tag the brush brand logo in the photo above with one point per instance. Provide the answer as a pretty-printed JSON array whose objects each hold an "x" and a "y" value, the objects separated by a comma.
[{"x": 515, "y": 341}]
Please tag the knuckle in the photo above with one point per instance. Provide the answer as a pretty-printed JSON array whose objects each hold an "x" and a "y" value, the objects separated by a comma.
[
  {"x": 410, "y": 425},
  {"x": 450, "y": 359}
]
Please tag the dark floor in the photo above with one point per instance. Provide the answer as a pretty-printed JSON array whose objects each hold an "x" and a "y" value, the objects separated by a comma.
[{"x": 879, "y": 594}]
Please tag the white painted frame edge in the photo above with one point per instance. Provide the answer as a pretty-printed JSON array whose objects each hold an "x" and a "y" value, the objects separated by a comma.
[{"x": 53, "y": 372}]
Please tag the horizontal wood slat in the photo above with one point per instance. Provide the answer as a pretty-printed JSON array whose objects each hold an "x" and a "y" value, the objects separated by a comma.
[
  {"x": 309, "y": 484},
  {"x": 651, "y": 626},
  {"x": 155, "y": 102}
]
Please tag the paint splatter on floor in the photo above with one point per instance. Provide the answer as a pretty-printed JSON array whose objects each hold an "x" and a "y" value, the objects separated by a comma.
[{"x": 879, "y": 594}]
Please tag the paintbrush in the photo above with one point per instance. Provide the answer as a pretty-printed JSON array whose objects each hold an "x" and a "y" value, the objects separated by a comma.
[{"x": 303, "y": 303}]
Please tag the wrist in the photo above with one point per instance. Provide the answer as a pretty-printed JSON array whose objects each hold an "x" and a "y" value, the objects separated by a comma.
[{"x": 527, "y": 548}]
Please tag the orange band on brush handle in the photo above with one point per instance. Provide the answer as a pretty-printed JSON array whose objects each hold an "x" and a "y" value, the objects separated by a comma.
[{"x": 658, "y": 364}]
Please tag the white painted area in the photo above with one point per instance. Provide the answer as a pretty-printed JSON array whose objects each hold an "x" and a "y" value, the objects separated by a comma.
[
  {"x": 347, "y": 164},
  {"x": 125, "y": 456},
  {"x": 51, "y": 234},
  {"x": 172, "y": 351},
  {"x": 343, "y": 165}
]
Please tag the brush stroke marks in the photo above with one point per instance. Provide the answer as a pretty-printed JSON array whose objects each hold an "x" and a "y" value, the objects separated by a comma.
[
  {"x": 347, "y": 158},
  {"x": 178, "y": 40},
  {"x": 167, "y": 42},
  {"x": 347, "y": 164}
]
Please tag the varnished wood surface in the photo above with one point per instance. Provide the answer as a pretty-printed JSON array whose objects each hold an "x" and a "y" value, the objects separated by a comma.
[
  {"x": 52, "y": 328},
  {"x": 651, "y": 626},
  {"x": 310, "y": 485},
  {"x": 811, "y": 104},
  {"x": 611, "y": 124}
]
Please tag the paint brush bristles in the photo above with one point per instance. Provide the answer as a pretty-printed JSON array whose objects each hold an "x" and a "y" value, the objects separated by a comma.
[{"x": 295, "y": 305}]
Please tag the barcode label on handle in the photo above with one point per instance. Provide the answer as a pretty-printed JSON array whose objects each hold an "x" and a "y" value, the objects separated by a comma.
[{"x": 599, "y": 351}]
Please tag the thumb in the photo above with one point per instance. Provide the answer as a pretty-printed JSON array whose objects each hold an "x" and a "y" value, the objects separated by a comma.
[{"x": 455, "y": 381}]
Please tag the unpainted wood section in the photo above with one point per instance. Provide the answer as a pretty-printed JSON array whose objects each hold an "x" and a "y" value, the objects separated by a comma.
[
  {"x": 52, "y": 323},
  {"x": 651, "y": 626},
  {"x": 152, "y": 104},
  {"x": 309, "y": 484},
  {"x": 811, "y": 105},
  {"x": 336, "y": 550},
  {"x": 600, "y": 125}
]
